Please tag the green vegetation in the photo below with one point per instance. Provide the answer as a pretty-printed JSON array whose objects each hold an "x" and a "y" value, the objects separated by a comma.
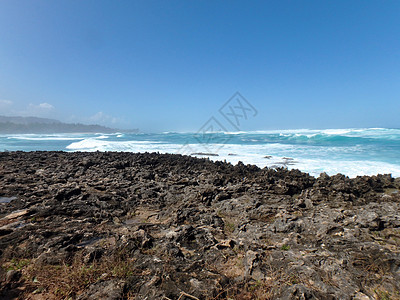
[
  {"x": 382, "y": 295},
  {"x": 16, "y": 264},
  {"x": 229, "y": 227},
  {"x": 42, "y": 125},
  {"x": 51, "y": 128},
  {"x": 285, "y": 247}
]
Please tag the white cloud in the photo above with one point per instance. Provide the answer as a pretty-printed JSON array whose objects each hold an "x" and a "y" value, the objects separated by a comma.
[
  {"x": 8, "y": 107},
  {"x": 46, "y": 106},
  {"x": 41, "y": 107},
  {"x": 4, "y": 103},
  {"x": 38, "y": 110},
  {"x": 102, "y": 118}
]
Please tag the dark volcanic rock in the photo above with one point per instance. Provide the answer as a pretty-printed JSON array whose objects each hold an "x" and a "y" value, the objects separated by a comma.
[{"x": 151, "y": 226}]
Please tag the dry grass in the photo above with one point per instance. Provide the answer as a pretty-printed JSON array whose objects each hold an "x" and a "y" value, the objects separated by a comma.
[
  {"x": 70, "y": 279},
  {"x": 247, "y": 289},
  {"x": 67, "y": 280}
]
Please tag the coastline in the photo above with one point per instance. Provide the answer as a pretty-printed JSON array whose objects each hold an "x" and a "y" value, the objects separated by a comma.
[
  {"x": 159, "y": 225},
  {"x": 353, "y": 152}
]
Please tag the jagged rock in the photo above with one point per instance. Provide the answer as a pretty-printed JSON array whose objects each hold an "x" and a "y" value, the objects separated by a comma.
[
  {"x": 300, "y": 292},
  {"x": 108, "y": 290},
  {"x": 13, "y": 275},
  {"x": 160, "y": 225}
]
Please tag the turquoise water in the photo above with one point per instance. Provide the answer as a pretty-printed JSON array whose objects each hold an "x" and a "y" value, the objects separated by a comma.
[{"x": 348, "y": 151}]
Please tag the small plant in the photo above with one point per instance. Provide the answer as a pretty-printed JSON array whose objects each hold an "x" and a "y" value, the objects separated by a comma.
[
  {"x": 293, "y": 279},
  {"x": 255, "y": 286},
  {"x": 16, "y": 264},
  {"x": 229, "y": 227},
  {"x": 382, "y": 295},
  {"x": 285, "y": 247},
  {"x": 123, "y": 269}
]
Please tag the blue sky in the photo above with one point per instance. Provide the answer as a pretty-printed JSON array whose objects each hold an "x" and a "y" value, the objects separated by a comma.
[{"x": 170, "y": 65}]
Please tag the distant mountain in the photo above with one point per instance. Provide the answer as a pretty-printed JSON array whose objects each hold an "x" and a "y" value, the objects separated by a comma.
[
  {"x": 43, "y": 125},
  {"x": 27, "y": 120}
]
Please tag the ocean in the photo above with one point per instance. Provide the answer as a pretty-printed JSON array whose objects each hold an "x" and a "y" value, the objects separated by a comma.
[{"x": 351, "y": 152}]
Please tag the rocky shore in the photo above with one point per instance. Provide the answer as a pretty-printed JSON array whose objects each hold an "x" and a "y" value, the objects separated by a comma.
[{"x": 151, "y": 226}]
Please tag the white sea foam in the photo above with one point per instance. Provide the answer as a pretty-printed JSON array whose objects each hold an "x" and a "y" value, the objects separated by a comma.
[
  {"x": 363, "y": 151},
  {"x": 102, "y": 137},
  {"x": 93, "y": 144},
  {"x": 336, "y": 131},
  {"x": 313, "y": 160},
  {"x": 316, "y": 166},
  {"x": 332, "y": 131},
  {"x": 235, "y": 132},
  {"x": 39, "y": 137}
]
